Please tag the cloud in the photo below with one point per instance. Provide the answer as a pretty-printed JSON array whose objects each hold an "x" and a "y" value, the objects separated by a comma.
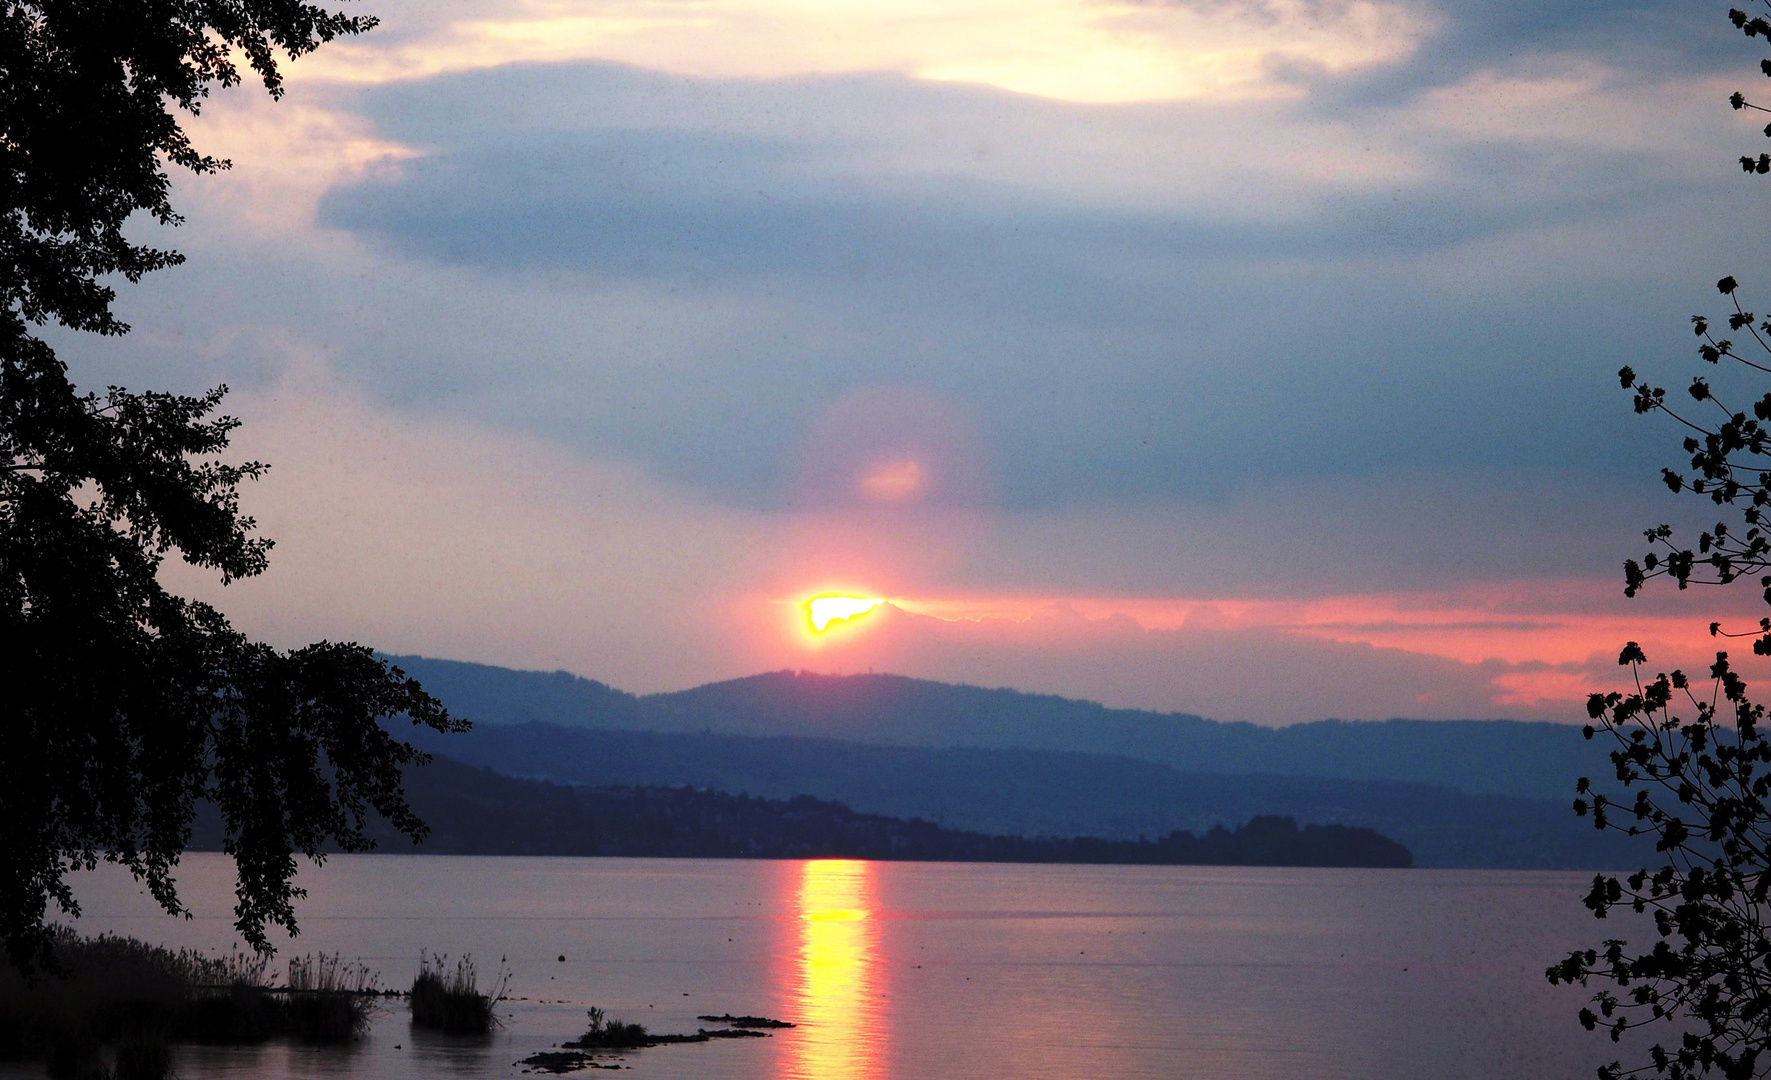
[
  {"x": 626, "y": 173},
  {"x": 1202, "y": 298},
  {"x": 1294, "y": 390},
  {"x": 1646, "y": 42},
  {"x": 702, "y": 208},
  {"x": 1067, "y": 49}
]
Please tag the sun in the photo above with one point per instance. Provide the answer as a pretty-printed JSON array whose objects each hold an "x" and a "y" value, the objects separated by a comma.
[{"x": 824, "y": 610}]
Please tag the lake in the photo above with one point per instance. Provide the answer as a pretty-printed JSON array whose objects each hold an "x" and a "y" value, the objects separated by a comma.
[{"x": 897, "y": 970}]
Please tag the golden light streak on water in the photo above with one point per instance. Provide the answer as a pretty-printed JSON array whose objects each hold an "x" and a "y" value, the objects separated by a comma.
[{"x": 840, "y": 1034}]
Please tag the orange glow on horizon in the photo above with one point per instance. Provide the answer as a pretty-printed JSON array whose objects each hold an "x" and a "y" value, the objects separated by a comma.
[
  {"x": 1532, "y": 645},
  {"x": 824, "y": 610},
  {"x": 1556, "y": 622}
]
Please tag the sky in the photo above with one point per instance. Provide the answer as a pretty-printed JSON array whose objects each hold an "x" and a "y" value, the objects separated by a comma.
[{"x": 1250, "y": 358}]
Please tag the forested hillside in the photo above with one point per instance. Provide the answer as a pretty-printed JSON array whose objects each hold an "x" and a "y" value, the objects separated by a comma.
[
  {"x": 478, "y": 812},
  {"x": 1040, "y": 792}
]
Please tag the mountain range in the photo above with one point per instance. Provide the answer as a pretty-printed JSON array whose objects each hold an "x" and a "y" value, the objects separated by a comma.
[
  {"x": 1498, "y": 757},
  {"x": 1480, "y": 793}
]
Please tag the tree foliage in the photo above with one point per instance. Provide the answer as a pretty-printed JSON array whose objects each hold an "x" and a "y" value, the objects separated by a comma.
[
  {"x": 1752, "y": 26},
  {"x": 1695, "y": 764},
  {"x": 127, "y": 706},
  {"x": 1699, "y": 765},
  {"x": 1729, "y": 464},
  {"x": 85, "y": 127}
]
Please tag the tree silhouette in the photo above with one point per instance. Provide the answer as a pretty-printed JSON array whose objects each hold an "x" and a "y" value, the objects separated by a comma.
[
  {"x": 1701, "y": 780},
  {"x": 1697, "y": 760},
  {"x": 126, "y": 706}
]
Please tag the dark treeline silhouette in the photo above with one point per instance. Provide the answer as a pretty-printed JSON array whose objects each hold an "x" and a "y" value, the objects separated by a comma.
[
  {"x": 478, "y": 812},
  {"x": 1024, "y": 792}
]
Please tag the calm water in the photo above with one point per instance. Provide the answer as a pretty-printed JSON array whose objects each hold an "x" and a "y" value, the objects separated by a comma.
[{"x": 897, "y": 970}]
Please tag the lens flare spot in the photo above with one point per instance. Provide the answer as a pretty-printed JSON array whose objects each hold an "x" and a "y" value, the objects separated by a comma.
[
  {"x": 894, "y": 481},
  {"x": 825, "y": 610}
]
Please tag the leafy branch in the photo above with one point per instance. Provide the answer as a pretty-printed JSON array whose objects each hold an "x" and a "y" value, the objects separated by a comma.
[
  {"x": 1730, "y": 464},
  {"x": 1700, "y": 767}
]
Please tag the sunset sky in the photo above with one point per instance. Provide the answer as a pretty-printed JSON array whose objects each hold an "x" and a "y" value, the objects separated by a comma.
[{"x": 1252, "y": 358}]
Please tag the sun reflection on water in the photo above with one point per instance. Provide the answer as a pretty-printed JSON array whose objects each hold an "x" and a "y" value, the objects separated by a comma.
[{"x": 840, "y": 1036}]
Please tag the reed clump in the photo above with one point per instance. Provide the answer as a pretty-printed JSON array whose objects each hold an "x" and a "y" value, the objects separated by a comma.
[
  {"x": 608, "y": 1034},
  {"x": 110, "y": 1007},
  {"x": 77, "y": 1054},
  {"x": 143, "y": 1057},
  {"x": 450, "y": 1000},
  {"x": 105, "y": 1009},
  {"x": 230, "y": 1002},
  {"x": 328, "y": 1000}
]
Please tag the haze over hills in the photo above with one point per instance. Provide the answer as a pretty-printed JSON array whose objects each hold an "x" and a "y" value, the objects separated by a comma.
[
  {"x": 1456, "y": 793},
  {"x": 1038, "y": 792},
  {"x": 1497, "y": 757}
]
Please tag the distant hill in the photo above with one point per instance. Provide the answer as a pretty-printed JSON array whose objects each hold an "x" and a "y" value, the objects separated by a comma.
[
  {"x": 478, "y": 812},
  {"x": 1042, "y": 792},
  {"x": 495, "y": 695},
  {"x": 1494, "y": 757}
]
